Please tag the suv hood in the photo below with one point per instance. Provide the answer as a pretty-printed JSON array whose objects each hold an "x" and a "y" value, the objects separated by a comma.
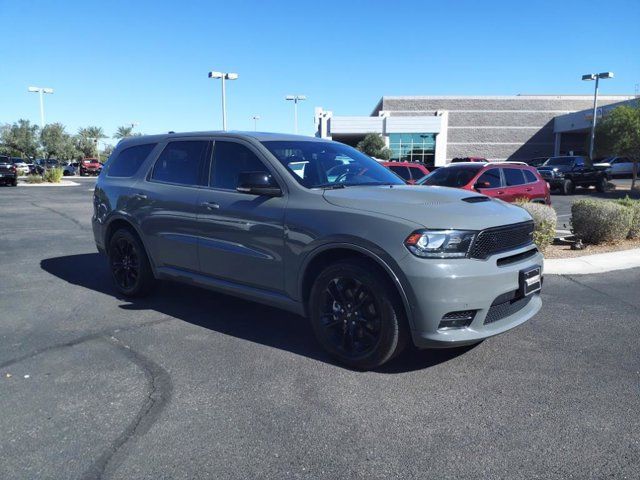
[{"x": 431, "y": 207}]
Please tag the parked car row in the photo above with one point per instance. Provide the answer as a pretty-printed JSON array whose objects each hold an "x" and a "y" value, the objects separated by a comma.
[{"x": 510, "y": 181}]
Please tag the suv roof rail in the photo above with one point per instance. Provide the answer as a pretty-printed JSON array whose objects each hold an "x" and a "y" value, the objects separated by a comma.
[{"x": 511, "y": 162}]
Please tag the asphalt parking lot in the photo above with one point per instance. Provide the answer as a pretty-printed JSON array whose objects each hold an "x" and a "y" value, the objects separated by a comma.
[{"x": 192, "y": 384}]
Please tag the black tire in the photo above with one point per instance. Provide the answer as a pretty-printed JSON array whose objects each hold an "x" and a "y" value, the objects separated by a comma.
[
  {"x": 130, "y": 268},
  {"x": 568, "y": 187},
  {"x": 601, "y": 185},
  {"x": 356, "y": 316},
  {"x": 14, "y": 183}
]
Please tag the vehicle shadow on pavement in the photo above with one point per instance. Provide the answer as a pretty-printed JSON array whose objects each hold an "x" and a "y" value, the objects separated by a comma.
[{"x": 226, "y": 314}]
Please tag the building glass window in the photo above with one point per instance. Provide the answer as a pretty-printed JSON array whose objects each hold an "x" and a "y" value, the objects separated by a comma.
[{"x": 413, "y": 147}]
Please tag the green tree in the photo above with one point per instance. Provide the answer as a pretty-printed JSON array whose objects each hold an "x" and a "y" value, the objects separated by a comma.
[
  {"x": 54, "y": 141},
  {"x": 20, "y": 137},
  {"x": 618, "y": 133},
  {"x": 373, "y": 145}
]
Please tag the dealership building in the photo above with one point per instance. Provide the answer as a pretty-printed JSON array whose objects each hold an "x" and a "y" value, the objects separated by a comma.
[{"x": 436, "y": 129}]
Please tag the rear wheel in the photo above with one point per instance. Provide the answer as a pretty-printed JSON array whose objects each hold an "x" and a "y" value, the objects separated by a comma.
[
  {"x": 568, "y": 187},
  {"x": 129, "y": 264},
  {"x": 601, "y": 185},
  {"x": 14, "y": 183},
  {"x": 355, "y": 315}
]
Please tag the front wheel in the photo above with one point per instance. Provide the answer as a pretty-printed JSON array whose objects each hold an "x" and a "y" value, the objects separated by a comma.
[
  {"x": 356, "y": 316},
  {"x": 568, "y": 187},
  {"x": 601, "y": 185},
  {"x": 129, "y": 264}
]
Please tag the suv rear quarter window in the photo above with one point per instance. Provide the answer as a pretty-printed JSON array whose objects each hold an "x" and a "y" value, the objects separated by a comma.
[
  {"x": 529, "y": 176},
  {"x": 129, "y": 160}
]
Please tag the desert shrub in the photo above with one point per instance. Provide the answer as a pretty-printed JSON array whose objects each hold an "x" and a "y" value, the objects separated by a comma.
[
  {"x": 634, "y": 205},
  {"x": 600, "y": 221},
  {"x": 544, "y": 220},
  {"x": 33, "y": 179},
  {"x": 53, "y": 175}
]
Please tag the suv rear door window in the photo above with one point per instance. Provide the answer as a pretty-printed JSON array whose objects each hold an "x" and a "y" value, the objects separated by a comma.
[
  {"x": 181, "y": 162},
  {"x": 513, "y": 176},
  {"x": 491, "y": 178},
  {"x": 401, "y": 171},
  {"x": 229, "y": 159},
  {"x": 127, "y": 163}
]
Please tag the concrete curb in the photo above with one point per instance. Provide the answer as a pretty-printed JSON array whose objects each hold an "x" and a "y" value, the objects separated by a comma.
[
  {"x": 597, "y": 263},
  {"x": 63, "y": 183}
]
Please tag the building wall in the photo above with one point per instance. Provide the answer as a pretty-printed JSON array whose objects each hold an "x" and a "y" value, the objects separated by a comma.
[{"x": 496, "y": 127}]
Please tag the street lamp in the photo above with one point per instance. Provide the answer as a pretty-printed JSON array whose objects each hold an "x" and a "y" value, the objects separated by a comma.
[
  {"x": 41, "y": 91},
  {"x": 224, "y": 76},
  {"x": 255, "y": 119},
  {"x": 295, "y": 99},
  {"x": 596, "y": 77}
]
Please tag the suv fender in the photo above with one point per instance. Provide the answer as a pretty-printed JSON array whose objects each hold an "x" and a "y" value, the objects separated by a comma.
[
  {"x": 122, "y": 220},
  {"x": 364, "y": 249}
]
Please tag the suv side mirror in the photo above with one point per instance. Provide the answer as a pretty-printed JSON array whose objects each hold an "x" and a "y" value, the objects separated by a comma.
[
  {"x": 481, "y": 185},
  {"x": 258, "y": 183}
]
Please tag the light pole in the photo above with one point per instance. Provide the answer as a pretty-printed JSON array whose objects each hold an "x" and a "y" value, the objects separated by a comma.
[
  {"x": 224, "y": 76},
  {"x": 596, "y": 77},
  {"x": 41, "y": 91},
  {"x": 255, "y": 122},
  {"x": 295, "y": 99}
]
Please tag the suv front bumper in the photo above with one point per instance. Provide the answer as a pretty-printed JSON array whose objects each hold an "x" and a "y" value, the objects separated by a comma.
[{"x": 441, "y": 287}]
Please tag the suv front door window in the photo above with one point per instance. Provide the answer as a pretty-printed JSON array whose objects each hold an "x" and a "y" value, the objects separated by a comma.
[{"x": 240, "y": 235}]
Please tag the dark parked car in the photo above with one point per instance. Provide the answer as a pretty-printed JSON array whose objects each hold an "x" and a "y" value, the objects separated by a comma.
[
  {"x": 503, "y": 180},
  {"x": 37, "y": 168},
  {"x": 410, "y": 172},
  {"x": 537, "y": 161},
  {"x": 8, "y": 171},
  {"x": 568, "y": 172},
  {"x": 272, "y": 218}
]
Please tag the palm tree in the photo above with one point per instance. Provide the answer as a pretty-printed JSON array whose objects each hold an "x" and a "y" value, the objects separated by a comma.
[
  {"x": 94, "y": 134},
  {"x": 124, "y": 132}
]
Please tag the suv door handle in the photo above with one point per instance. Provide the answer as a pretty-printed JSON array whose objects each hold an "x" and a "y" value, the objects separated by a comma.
[
  {"x": 500, "y": 192},
  {"x": 210, "y": 205},
  {"x": 139, "y": 196}
]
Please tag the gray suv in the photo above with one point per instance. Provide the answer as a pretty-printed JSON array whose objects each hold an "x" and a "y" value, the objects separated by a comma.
[{"x": 317, "y": 228}]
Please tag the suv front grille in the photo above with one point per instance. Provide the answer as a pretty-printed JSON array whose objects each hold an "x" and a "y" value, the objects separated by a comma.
[
  {"x": 500, "y": 239},
  {"x": 503, "y": 310}
]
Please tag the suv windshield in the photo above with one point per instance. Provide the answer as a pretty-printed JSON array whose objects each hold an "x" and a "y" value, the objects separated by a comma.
[
  {"x": 456, "y": 176},
  {"x": 323, "y": 164},
  {"x": 560, "y": 161}
]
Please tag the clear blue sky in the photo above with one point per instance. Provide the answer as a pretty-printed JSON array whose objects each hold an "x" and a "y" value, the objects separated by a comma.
[{"x": 147, "y": 61}]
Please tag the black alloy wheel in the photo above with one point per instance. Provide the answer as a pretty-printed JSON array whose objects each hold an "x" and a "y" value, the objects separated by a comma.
[
  {"x": 129, "y": 264},
  {"x": 356, "y": 315},
  {"x": 351, "y": 316}
]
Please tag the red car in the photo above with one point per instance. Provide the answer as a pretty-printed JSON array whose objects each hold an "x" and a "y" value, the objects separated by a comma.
[
  {"x": 504, "y": 180},
  {"x": 90, "y": 166},
  {"x": 410, "y": 172}
]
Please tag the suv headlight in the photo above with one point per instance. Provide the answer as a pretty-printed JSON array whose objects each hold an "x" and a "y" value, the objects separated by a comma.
[{"x": 440, "y": 243}]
